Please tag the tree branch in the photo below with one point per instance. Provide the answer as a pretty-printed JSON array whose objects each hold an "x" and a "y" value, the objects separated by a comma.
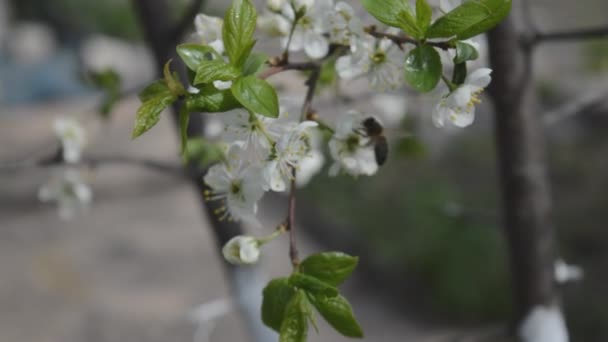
[
  {"x": 575, "y": 107},
  {"x": 186, "y": 21},
  {"x": 582, "y": 34},
  {"x": 524, "y": 184}
]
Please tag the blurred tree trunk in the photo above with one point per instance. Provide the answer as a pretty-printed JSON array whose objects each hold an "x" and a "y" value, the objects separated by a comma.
[
  {"x": 246, "y": 283},
  {"x": 523, "y": 175}
]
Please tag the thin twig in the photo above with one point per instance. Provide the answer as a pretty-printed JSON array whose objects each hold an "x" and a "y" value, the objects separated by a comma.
[
  {"x": 575, "y": 107},
  {"x": 275, "y": 69},
  {"x": 186, "y": 21},
  {"x": 92, "y": 162},
  {"x": 311, "y": 83}
]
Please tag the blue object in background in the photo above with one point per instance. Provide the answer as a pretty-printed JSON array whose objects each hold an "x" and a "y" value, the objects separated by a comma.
[{"x": 53, "y": 79}]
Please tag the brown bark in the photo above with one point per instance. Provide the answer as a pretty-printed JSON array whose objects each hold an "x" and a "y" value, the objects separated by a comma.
[{"x": 526, "y": 194}]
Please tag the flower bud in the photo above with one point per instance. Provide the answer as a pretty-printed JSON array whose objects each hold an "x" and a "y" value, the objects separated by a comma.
[
  {"x": 275, "y": 5},
  {"x": 242, "y": 250}
]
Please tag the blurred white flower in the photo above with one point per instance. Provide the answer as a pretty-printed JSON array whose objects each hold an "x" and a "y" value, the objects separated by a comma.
[
  {"x": 458, "y": 107},
  {"x": 565, "y": 273},
  {"x": 242, "y": 250},
  {"x": 67, "y": 188},
  {"x": 312, "y": 163},
  {"x": 392, "y": 106},
  {"x": 544, "y": 324},
  {"x": 290, "y": 149},
  {"x": 209, "y": 31},
  {"x": 351, "y": 151},
  {"x": 72, "y": 136},
  {"x": 206, "y": 315},
  {"x": 222, "y": 85},
  {"x": 343, "y": 24}
]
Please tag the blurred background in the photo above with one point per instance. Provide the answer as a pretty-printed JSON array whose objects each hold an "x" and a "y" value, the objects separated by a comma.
[{"x": 427, "y": 226}]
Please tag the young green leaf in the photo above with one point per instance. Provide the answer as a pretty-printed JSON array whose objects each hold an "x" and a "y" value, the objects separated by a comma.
[
  {"x": 211, "y": 100},
  {"x": 294, "y": 327},
  {"x": 193, "y": 54},
  {"x": 423, "y": 68},
  {"x": 470, "y": 19},
  {"x": 465, "y": 52},
  {"x": 276, "y": 296},
  {"x": 339, "y": 314},
  {"x": 108, "y": 81},
  {"x": 237, "y": 32},
  {"x": 216, "y": 70},
  {"x": 184, "y": 119},
  {"x": 254, "y": 62},
  {"x": 172, "y": 80},
  {"x": 204, "y": 153},
  {"x": 330, "y": 267},
  {"x": 256, "y": 95},
  {"x": 409, "y": 24},
  {"x": 155, "y": 89},
  {"x": 459, "y": 74},
  {"x": 312, "y": 285},
  {"x": 149, "y": 113},
  {"x": 387, "y": 11},
  {"x": 424, "y": 14}
]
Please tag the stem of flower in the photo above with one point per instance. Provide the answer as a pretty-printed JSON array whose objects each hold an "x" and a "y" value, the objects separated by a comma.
[{"x": 449, "y": 83}]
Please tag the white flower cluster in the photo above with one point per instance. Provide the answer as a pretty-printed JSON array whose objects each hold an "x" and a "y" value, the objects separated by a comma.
[
  {"x": 66, "y": 185},
  {"x": 262, "y": 154}
]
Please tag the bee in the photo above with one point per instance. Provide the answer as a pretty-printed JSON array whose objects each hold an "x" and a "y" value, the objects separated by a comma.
[{"x": 373, "y": 129}]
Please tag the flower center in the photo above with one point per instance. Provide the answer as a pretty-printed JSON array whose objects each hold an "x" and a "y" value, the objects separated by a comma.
[
  {"x": 378, "y": 57},
  {"x": 235, "y": 187},
  {"x": 352, "y": 143}
]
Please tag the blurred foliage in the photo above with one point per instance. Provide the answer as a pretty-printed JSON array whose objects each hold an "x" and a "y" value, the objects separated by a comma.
[
  {"x": 417, "y": 217},
  {"x": 596, "y": 56},
  {"x": 107, "y": 81}
]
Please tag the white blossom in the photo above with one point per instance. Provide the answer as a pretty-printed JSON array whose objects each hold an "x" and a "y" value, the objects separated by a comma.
[
  {"x": 252, "y": 130},
  {"x": 344, "y": 25},
  {"x": 238, "y": 183},
  {"x": 67, "y": 188},
  {"x": 222, "y": 85},
  {"x": 352, "y": 151},
  {"x": 72, "y": 136},
  {"x": 544, "y": 324},
  {"x": 458, "y": 107},
  {"x": 290, "y": 148},
  {"x": 209, "y": 31},
  {"x": 392, "y": 106},
  {"x": 242, "y": 250},
  {"x": 565, "y": 273},
  {"x": 312, "y": 163},
  {"x": 310, "y": 29},
  {"x": 380, "y": 59}
]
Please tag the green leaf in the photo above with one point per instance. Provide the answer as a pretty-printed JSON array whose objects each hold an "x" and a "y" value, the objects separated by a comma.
[
  {"x": 204, "y": 153},
  {"x": 330, "y": 267},
  {"x": 409, "y": 24},
  {"x": 294, "y": 327},
  {"x": 237, "y": 32},
  {"x": 470, "y": 19},
  {"x": 256, "y": 95},
  {"x": 184, "y": 119},
  {"x": 109, "y": 82},
  {"x": 312, "y": 284},
  {"x": 460, "y": 73},
  {"x": 339, "y": 314},
  {"x": 211, "y": 100},
  {"x": 387, "y": 11},
  {"x": 172, "y": 80},
  {"x": 216, "y": 70},
  {"x": 424, "y": 14},
  {"x": 193, "y": 54},
  {"x": 465, "y": 52},
  {"x": 277, "y": 295},
  {"x": 254, "y": 62},
  {"x": 423, "y": 68},
  {"x": 156, "y": 89},
  {"x": 149, "y": 113}
]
